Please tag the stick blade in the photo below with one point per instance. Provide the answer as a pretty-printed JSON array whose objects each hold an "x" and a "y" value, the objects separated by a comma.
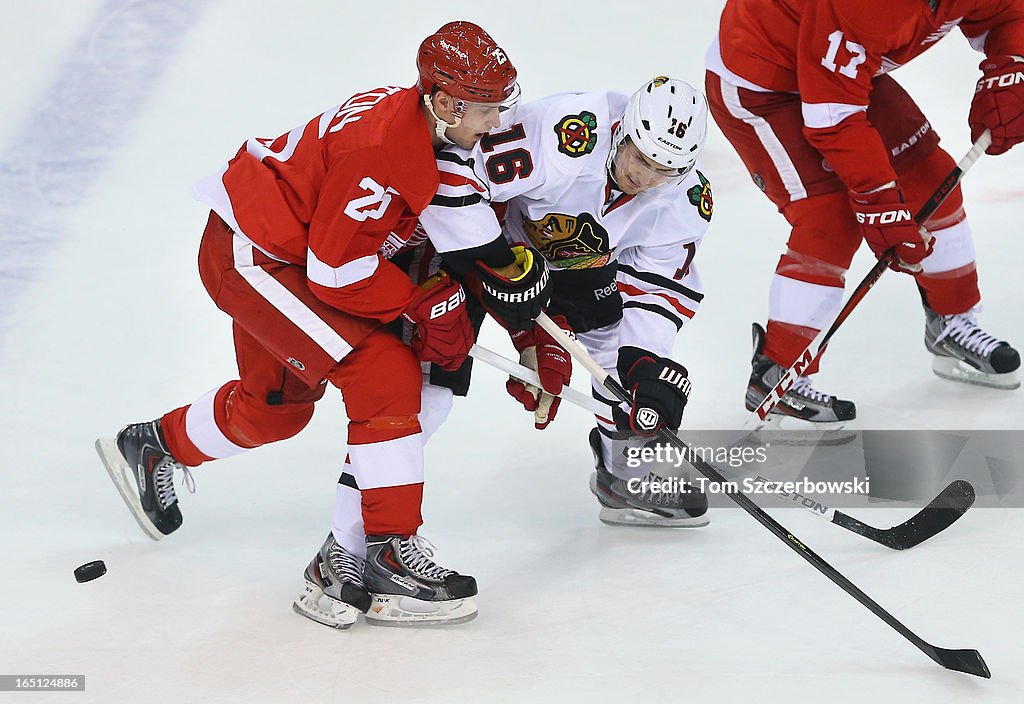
[
  {"x": 944, "y": 510},
  {"x": 969, "y": 661}
]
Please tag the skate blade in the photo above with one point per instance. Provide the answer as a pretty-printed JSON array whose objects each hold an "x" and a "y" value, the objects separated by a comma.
[
  {"x": 339, "y": 614},
  {"x": 395, "y": 610},
  {"x": 124, "y": 479},
  {"x": 955, "y": 370},
  {"x": 787, "y": 430},
  {"x": 645, "y": 519}
]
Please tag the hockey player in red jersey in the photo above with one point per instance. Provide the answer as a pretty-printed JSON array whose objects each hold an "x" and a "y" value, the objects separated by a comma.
[
  {"x": 295, "y": 252},
  {"x": 802, "y": 90},
  {"x": 607, "y": 188}
]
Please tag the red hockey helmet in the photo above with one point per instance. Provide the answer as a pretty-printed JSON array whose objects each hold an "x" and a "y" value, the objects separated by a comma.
[{"x": 461, "y": 59}]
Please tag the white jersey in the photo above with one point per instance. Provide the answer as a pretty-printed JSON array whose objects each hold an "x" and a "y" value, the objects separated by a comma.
[{"x": 550, "y": 168}]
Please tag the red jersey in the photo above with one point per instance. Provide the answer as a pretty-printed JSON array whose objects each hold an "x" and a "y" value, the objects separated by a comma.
[
  {"x": 802, "y": 46},
  {"x": 328, "y": 194}
]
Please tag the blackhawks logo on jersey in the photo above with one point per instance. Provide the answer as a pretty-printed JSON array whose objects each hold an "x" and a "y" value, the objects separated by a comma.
[
  {"x": 700, "y": 197},
  {"x": 577, "y": 134},
  {"x": 570, "y": 241}
]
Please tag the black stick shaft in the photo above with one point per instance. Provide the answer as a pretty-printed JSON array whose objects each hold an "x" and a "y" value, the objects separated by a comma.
[{"x": 969, "y": 663}]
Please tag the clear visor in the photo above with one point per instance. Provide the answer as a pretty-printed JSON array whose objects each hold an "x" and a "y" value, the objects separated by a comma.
[{"x": 465, "y": 107}]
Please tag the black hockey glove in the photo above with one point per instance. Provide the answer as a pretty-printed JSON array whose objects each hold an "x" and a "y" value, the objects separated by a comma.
[
  {"x": 660, "y": 389},
  {"x": 516, "y": 302}
]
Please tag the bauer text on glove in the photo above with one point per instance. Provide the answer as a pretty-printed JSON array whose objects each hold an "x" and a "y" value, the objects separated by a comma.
[{"x": 443, "y": 333}]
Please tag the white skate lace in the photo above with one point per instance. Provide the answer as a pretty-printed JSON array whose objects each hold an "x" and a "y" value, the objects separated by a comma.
[
  {"x": 346, "y": 565},
  {"x": 659, "y": 498},
  {"x": 965, "y": 330},
  {"x": 802, "y": 387},
  {"x": 416, "y": 552},
  {"x": 163, "y": 478}
]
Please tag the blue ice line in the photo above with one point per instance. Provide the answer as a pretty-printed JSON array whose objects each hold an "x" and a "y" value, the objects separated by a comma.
[{"x": 79, "y": 121}]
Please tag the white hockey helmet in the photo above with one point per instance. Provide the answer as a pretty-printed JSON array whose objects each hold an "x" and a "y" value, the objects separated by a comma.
[{"x": 667, "y": 120}]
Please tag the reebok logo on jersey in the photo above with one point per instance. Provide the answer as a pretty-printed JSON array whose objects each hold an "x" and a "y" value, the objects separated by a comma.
[
  {"x": 886, "y": 217},
  {"x": 611, "y": 289}
]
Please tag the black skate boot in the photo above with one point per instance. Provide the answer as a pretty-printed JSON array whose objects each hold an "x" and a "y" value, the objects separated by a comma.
[
  {"x": 802, "y": 401},
  {"x": 409, "y": 588},
  {"x": 963, "y": 351},
  {"x": 141, "y": 452},
  {"x": 653, "y": 501},
  {"x": 334, "y": 593}
]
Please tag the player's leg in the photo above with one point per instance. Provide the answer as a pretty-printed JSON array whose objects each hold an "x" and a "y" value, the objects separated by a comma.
[
  {"x": 347, "y": 516},
  {"x": 766, "y": 129},
  {"x": 270, "y": 401},
  {"x": 348, "y": 534},
  {"x": 644, "y": 494},
  {"x": 381, "y": 382},
  {"x": 582, "y": 297},
  {"x": 340, "y": 560},
  {"x": 962, "y": 350}
]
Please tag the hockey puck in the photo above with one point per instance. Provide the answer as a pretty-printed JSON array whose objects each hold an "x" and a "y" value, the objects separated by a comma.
[{"x": 90, "y": 571}]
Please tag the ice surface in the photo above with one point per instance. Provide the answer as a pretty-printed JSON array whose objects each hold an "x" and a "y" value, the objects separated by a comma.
[{"x": 106, "y": 124}]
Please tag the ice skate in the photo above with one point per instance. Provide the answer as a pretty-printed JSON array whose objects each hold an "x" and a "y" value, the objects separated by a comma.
[
  {"x": 804, "y": 415},
  {"x": 334, "y": 594},
  {"x": 409, "y": 588},
  {"x": 963, "y": 351},
  {"x": 661, "y": 502},
  {"x": 140, "y": 451}
]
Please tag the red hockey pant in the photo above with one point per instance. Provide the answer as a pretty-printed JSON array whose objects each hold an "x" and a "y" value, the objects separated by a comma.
[
  {"x": 288, "y": 346},
  {"x": 766, "y": 129}
]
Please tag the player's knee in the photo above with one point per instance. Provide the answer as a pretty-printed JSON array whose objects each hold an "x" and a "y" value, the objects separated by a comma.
[
  {"x": 383, "y": 378},
  {"x": 266, "y": 422},
  {"x": 822, "y": 242},
  {"x": 385, "y": 404}
]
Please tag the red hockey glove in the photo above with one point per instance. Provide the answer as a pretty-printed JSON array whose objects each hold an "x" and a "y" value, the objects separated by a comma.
[
  {"x": 660, "y": 390},
  {"x": 443, "y": 331},
  {"x": 998, "y": 103},
  {"x": 886, "y": 222},
  {"x": 539, "y": 351}
]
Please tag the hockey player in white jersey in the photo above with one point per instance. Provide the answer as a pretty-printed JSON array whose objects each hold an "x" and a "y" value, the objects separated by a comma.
[{"x": 605, "y": 189}]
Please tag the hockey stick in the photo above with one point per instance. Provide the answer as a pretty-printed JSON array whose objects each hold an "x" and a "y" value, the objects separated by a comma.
[
  {"x": 529, "y": 376},
  {"x": 969, "y": 661},
  {"x": 814, "y": 351},
  {"x": 942, "y": 512}
]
